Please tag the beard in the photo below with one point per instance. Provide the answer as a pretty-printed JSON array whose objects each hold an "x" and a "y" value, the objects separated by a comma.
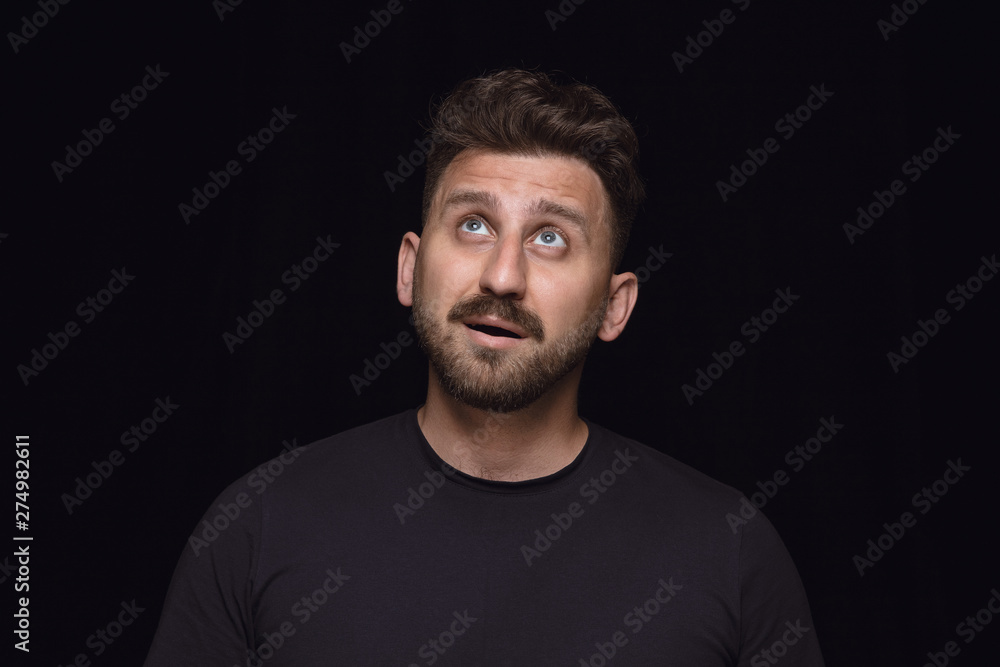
[{"x": 500, "y": 380}]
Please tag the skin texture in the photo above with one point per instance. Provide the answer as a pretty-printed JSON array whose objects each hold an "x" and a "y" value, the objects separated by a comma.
[{"x": 521, "y": 243}]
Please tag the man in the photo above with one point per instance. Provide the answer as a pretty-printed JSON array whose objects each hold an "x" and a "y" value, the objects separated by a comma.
[{"x": 493, "y": 525}]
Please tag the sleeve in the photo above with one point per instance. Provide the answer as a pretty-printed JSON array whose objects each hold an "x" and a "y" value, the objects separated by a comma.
[
  {"x": 775, "y": 621},
  {"x": 207, "y": 618}
]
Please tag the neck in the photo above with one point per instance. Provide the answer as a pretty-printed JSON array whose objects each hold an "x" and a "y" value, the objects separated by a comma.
[{"x": 533, "y": 442}]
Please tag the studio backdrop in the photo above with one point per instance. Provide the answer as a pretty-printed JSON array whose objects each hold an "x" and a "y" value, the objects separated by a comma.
[{"x": 203, "y": 207}]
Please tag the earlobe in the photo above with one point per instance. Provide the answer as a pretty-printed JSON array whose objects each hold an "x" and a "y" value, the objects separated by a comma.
[
  {"x": 404, "y": 268},
  {"x": 623, "y": 291}
]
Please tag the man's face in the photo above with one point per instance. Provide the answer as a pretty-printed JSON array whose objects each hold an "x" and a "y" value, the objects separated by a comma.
[{"x": 511, "y": 281}]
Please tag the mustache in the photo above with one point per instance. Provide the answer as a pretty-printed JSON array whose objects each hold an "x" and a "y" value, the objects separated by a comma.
[{"x": 512, "y": 311}]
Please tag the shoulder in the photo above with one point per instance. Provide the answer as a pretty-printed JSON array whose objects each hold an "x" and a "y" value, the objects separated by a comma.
[
  {"x": 383, "y": 432},
  {"x": 367, "y": 442},
  {"x": 343, "y": 461},
  {"x": 660, "y": 474},
  {"x": 663, "y": 467}
]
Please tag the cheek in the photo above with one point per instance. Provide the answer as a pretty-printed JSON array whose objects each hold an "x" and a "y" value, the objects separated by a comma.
[
  {"x": 563, "y": 304},
  {"x": 445, "y": 282},
  {"x": 576, "y": 280}
]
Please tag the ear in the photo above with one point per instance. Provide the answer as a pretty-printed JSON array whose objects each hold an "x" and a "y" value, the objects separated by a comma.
[
  {"x": 623, "y": 290},
  {"x": 404, "y": 268}
]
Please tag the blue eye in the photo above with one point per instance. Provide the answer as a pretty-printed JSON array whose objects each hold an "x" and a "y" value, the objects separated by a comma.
[
  {"x": 475, "y": 226},
  {"x": 551, "y": 239}
]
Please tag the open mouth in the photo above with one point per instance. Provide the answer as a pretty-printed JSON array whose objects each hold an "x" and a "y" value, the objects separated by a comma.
[{"x": 493, "y": 331}]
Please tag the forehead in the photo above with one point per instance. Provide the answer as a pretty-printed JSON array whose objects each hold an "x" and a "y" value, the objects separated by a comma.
[{"x": 516, "y": 182}]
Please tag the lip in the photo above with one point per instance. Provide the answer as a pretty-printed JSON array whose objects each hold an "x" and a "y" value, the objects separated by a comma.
[
  {"x": 500, "y": 342},
  {"x": 491, "y": 321}
]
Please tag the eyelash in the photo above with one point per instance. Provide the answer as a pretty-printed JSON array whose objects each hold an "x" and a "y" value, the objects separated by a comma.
[{"x": 547, "y": 228}]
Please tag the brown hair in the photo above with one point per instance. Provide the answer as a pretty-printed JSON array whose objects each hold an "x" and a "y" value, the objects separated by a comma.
[{"x": 515, "y": 111}]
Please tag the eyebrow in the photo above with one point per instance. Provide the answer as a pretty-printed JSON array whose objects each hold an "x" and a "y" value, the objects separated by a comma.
[
  {"x": 471, "y": 198},
  {"x": 543, "y": 207}
]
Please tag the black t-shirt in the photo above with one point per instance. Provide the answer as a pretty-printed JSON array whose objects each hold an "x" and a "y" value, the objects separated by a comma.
[{"x": 367, "y": 549}]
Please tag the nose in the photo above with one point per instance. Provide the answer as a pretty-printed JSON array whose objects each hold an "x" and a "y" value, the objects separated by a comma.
[{"x": 504, "y": 274}]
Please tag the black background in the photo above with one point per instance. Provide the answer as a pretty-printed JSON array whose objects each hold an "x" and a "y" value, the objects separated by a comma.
[{"x": 324, "y": 175}]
